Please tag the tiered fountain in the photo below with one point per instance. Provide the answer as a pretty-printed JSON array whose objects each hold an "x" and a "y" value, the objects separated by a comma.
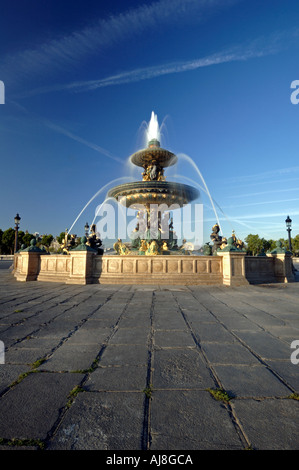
[{"x": 153, "y": 197}]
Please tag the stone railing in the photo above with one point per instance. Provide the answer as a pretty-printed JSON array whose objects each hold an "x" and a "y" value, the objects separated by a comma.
[
  {"x": 167, "y": 269},
  {"x": 85, "y": 267}
]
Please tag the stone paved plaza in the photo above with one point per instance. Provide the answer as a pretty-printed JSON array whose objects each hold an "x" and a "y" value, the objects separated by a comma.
[{"x": 112, "y": 367}]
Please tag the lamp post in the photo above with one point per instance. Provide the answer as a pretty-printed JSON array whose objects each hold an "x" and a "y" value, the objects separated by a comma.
[
  {"x": 288, "y": 222},
  {"x": 17, "y": 222}
]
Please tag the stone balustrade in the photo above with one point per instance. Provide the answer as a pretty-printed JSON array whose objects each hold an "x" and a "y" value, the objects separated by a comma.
[{"x": 85, "y": 267}]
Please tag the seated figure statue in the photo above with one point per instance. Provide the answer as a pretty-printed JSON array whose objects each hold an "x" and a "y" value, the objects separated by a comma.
[
  {"x": 94, "y": 241},
  {"x": 216, "y": 238}
]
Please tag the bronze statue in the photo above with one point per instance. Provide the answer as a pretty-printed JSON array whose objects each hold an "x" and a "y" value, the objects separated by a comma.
[
  {"x": 121, "y": 248},
  {"x": 94, "y": 241},
  {"x": 216, "y": 238}
]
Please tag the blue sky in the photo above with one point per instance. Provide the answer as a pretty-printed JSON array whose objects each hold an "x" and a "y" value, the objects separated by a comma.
[{"x": 82, "y": 78}]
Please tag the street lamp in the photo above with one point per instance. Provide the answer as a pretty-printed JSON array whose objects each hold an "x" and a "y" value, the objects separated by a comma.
[
  {"x": 17, "y": 222},
  {"x": 288, "y": 222},
  {"x": 86, "y": 227}
]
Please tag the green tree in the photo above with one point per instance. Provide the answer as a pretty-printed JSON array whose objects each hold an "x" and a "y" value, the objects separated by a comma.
[
  {"x": 295, "y": 243},
  {"x": 271, "y": 245},
  {"x": 1, "y": 233},
  {"x": 26, "y": 239},
  {"x": 46, "y": 240},
  {"x": 254, "y": 244},
  {"x": 8, "y": 241}
]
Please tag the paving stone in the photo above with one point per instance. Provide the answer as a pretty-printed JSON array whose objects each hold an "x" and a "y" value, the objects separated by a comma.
[
  {"x": 102, "y": 421},
  {"x": 287, "y": 333},
  {"x": 132, "y": 354},
  {"x": 25, "y": 355},
  {"x": 190, "y": 420},
  {"x": 87, "y": 335},
  {"x": 269, "y": 424},
  {"x": 174, "y": 339},
  {"x": 138, "y": 321},
  {"x": 72, "y": 357},
  {"x": 29, "y": 410},
  {"x": 9, "y": 373},
  {"x": 250, "y": 381},
  {"x": 118, "y": 378},
  {"x": 265, "y": 345},
  {"x": 138, "y": 335},
  {"x": 164, "y": 321},
  {"x": 228, "y": 353},
  {"x": 207, "y": 332},
  {"x": 287, "y": 371},
  {"x": 180, "y": 368}
]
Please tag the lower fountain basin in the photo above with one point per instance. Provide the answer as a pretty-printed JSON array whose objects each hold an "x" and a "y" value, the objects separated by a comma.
[{"x": 146, "y": 193}]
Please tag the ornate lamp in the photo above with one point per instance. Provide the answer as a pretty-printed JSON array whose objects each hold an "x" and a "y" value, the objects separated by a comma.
[
  {"x": 17, "y": 222},
  {"x": 288, "y": 222}
]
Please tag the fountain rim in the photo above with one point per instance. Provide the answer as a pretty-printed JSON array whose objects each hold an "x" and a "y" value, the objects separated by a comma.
[
  {"x": 147, "y": 155},
  {"x": 162, "y": 187}
]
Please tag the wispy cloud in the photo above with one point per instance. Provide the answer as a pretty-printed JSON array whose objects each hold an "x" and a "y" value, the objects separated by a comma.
[
  {"x": 264, "y": 215},
  {"x": 61, "y": 130},
  {"x": 274, "y": 190},
  {"x": 148, "y": 73},
  {"x": 264, "y": 175},
  {"x": 79, "y": 139},
  {"x": 69, "y": 50},
  {"x": 260, "y": 47}
]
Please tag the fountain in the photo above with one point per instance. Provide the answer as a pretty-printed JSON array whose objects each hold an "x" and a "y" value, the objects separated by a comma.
[
  {"x": 153, "y": 197},
  {"x": 153, "y": 256}
]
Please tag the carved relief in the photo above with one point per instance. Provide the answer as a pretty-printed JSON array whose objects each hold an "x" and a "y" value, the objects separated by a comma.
[
  {"x": 113, "y": 266},
  {"x": 215, "y": 267},
  {"x": 202, "y": 266},
  {"x": 187, "y": 266},
  {"x": 128, "y": 266},
  {"x": 173, "y": 266},
  {"x": 158, "y": 266},
  {"x": 61, "y": 265},
  {"x": 51, "y": 265},
  {"x": 142, "y": 266}
]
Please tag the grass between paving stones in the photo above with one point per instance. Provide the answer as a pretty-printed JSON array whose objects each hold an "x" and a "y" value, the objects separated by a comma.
[
  {"x": 294, "y": 396},
  {"x": 148, "y": 391},
  {"x": 220, "y": 394},
  {"x": 72, "y": 395},
  {"x": 22, "y": 443},
  {"x": 34, "y": 367}
]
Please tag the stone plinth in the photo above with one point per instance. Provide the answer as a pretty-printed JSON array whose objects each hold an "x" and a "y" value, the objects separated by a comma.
[
  {"x": 81, "y": 267},
  {"x": 27, "y": 266},
  {"x": 283, "y": 267},
  {"x": 233, "y": 268}
]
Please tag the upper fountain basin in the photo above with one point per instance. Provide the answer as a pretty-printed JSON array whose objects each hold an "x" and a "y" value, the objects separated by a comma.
[{"x": 153, "y": 154}]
